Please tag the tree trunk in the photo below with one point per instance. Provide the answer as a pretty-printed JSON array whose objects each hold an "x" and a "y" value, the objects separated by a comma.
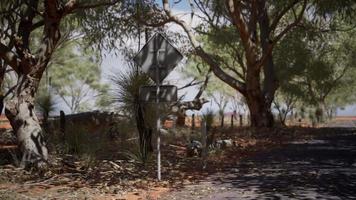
[
  {"x": 2, "y": 76},
  {"x": 260, "y": 111},
  {"x": 193, "y": 124},
  {"x": 232, "y": 121},
  {"x": 222, "y": 120},
  {"x": 283, "y": 118},
  {"x": 62, "y": 125},
  {"x": 145, "y": 133},
  {"x": 21, "y": 114}
]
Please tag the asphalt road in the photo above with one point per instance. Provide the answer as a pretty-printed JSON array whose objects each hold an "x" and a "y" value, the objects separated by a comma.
[{"x": 324, "y": 168}]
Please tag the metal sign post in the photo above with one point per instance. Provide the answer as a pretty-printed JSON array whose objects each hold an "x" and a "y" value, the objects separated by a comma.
[
  {"x": 158, "y": 119},
  {"x": 157, "y": 68}
]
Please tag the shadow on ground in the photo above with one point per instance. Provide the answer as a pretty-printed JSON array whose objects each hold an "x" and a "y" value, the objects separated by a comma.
[{"x": 323, "y": 168}]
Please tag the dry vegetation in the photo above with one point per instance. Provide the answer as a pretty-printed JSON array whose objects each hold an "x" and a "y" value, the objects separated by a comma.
[{"x": 106, "y": 164}]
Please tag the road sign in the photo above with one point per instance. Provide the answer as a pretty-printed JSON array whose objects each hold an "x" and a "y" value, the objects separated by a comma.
[
  {"x": 158, "y": 58},
  {"x": 158, "y": 52},
  {"x": 167, "y": 93}
]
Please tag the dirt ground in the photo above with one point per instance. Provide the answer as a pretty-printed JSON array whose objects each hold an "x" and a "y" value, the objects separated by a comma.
[{"x": 70, "y": 177}]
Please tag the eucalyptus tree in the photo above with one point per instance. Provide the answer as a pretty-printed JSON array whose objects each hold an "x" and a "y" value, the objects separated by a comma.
[
  {"x": 221, "y": 100},
  {"x": 79, "y": 68},
  {"x": 284, "y": 103},
  {"x": 317, "y": 72},
  {"x": 247, "y": 32},
  {"x": 19, "y": 19}
]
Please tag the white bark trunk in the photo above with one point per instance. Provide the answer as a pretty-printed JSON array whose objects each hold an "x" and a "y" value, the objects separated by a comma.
[
  {"x": 29, "y": 136},
  {"x": 21, "y": 114}
]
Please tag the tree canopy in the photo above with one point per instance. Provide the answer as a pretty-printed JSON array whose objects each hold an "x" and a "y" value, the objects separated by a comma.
[{"x": 238, "y": 39}]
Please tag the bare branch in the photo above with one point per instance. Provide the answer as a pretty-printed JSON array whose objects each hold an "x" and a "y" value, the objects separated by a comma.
[
  {"x": 203, "y": 87},
  {"x": 196, "y": 104},
  {"x": 190, "y": 84}
]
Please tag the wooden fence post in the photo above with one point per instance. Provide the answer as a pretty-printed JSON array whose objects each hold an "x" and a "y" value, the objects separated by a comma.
[
  {"x": 62, "y": 125},
  {"x": 204, "y": 142},
  {"x": 232, "y": 121},
  {"x": 241, "y": 120},
  {"x": 193, "y": 123}
]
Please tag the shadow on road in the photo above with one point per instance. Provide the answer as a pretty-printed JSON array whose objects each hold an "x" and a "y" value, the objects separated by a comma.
[{"x": 324, "y": 168}]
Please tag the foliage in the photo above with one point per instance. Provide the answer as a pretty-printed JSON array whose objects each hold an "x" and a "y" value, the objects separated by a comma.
[
  {"x": 221, "y": 101},
  {"x": 126, "y": 96},
  {"x": 125, "y": 93},
  {"x": 315, "y": 72},
  {"x": 104, "y": 99},
  {"x": 79, "y": 67},
  {"x": 19, "y": 21},
  {"x": 77, "y": 142},
  {"x": 216, "y": 90},
  {"x": 208, "y": 117},
  {"x": 111, "y": 27},
  {"x": 236, "y": 41},
  {"x": 238, "y": 104},
  {"x": 45, "y": 104},
  {"x": 138, "y": 156},
  {"x": 284, "y": 104}
]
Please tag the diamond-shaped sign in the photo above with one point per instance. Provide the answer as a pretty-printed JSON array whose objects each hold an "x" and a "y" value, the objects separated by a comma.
[{"x": 158, "y": 52}]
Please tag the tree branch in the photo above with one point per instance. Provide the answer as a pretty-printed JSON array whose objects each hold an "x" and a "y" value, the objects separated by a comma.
[
  {"x": 72, "y": 5},
  {"x": 268, "y": 52},
  {"x": 37, "y": 25},
  {"x": 9, "y": 91},
  {"x": 242, "y": 27},
  {"x": 9, "y": 57},
  {"x": 203, "y": 87},
  {"x": 292, "y": 25},
  {"x": 191, "y": 83},
  {"x": 214, "y": 66},
  {"x": 196, "y": 104},
  {"x": 277, "y": 19},
  {"x": 157, "y": 24}
]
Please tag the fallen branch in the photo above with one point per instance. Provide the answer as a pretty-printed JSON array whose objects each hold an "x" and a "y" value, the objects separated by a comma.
[
  {"x": 177, "y": 147},
  {"x": 116, "y": 166}
]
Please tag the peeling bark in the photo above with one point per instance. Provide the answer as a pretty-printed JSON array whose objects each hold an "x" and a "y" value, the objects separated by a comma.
[
  {"x": 29, "y": 67},
  {"x": 20, "y": 112}
]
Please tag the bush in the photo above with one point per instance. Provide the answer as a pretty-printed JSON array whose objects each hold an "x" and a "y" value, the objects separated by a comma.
[
  {"x": 80, "y": 142},
  {"x": 140, "y": 157}
]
